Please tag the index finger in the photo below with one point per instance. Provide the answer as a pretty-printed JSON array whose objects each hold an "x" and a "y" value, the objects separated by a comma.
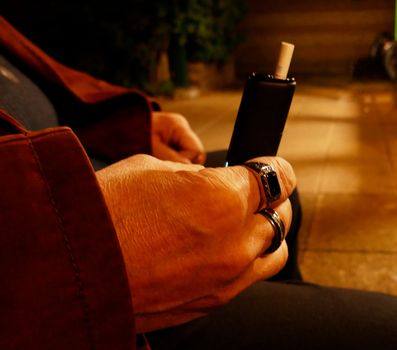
[
  {"x": 247, "y": 186},
  {"x": 190, "y": 145}
]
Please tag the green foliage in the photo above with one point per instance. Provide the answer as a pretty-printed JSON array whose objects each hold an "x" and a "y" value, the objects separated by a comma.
[
  {"x": 120, "y": 41},
  {"x": 208, "y": 28}
]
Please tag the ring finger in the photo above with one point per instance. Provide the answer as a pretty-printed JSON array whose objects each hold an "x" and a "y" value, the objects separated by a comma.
[{"x": 264, "y": 232}]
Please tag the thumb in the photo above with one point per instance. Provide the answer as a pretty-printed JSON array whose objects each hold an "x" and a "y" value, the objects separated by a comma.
[{"x": 164, "y": 152}]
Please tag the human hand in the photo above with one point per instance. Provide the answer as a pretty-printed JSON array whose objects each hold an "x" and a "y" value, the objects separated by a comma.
[
  {"x": 173, "y": 139},
  {"x": 190, "y": 236}
]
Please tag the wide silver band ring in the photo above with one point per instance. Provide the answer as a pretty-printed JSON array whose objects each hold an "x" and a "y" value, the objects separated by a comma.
[
  {"x": 278, "y": 227},
  {"x": 269, "y": 180}
]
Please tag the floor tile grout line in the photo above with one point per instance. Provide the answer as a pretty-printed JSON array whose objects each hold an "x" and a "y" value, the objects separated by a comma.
[{"x": 348, "y": 251}]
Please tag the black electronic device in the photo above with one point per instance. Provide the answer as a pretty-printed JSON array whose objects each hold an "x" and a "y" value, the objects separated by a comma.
[{"x": 263, "y": 112}]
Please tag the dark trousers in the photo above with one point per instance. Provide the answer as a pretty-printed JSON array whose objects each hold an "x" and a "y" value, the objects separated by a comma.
[{"x": 293, "y": 316}]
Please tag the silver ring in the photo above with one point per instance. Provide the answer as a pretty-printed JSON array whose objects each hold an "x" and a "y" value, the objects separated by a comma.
[
  {"x": 278, "y": 227},
  {"x": 269, "y": 180}
]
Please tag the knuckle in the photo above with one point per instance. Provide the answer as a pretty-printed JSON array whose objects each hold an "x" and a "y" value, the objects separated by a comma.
[
  {"x": 285, "y": 211},
  {"x": 139, "y": 157},
  {"x": 142, "y": 159},
  {"x": 273, "y": 263},
  {"x": 287, "y": 217},
  {"x": 284, "y": 170},
  {"x": 286, "y": 174},
  {"x": 219, "y": 298},
  {"x": 283, "y": 254},
  {"x": 224, "y": 298},
  {"x": 179, "y": 118}
]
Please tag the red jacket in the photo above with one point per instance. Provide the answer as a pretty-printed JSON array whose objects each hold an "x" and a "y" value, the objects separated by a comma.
[{"x": 63, "y": 279}]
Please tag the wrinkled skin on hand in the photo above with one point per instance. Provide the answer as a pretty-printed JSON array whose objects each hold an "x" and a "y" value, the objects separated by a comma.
[
  {"x": 190, "y": 236},
  {"x": 173, "y": 139}
]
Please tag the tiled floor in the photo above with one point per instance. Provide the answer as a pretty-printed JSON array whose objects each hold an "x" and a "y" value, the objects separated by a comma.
[{"x": 342, "y": 141}]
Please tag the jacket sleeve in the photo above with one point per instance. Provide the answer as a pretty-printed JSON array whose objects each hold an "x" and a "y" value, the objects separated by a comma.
[
  {"x": 112, "y": 129},
  {"x": 63, "y": 280},
  {"x": 111, "y": 121}
]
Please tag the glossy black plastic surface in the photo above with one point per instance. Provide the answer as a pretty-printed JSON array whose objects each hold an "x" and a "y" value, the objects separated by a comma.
[{"x": 261, "y": 117}]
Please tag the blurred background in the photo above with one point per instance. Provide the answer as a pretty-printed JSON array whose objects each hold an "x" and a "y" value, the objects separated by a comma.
[
  {"x": 209, "y": 43},
  {"x": 341, "y": 135}
]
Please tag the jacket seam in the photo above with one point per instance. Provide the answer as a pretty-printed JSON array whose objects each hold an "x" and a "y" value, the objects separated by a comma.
[
  {"x": 72, "y": 258},
  {"x": 36, "y": 135}
]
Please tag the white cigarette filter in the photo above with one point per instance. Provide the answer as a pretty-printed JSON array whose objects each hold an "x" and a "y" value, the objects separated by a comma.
[{"x": 284, "y": 60}]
